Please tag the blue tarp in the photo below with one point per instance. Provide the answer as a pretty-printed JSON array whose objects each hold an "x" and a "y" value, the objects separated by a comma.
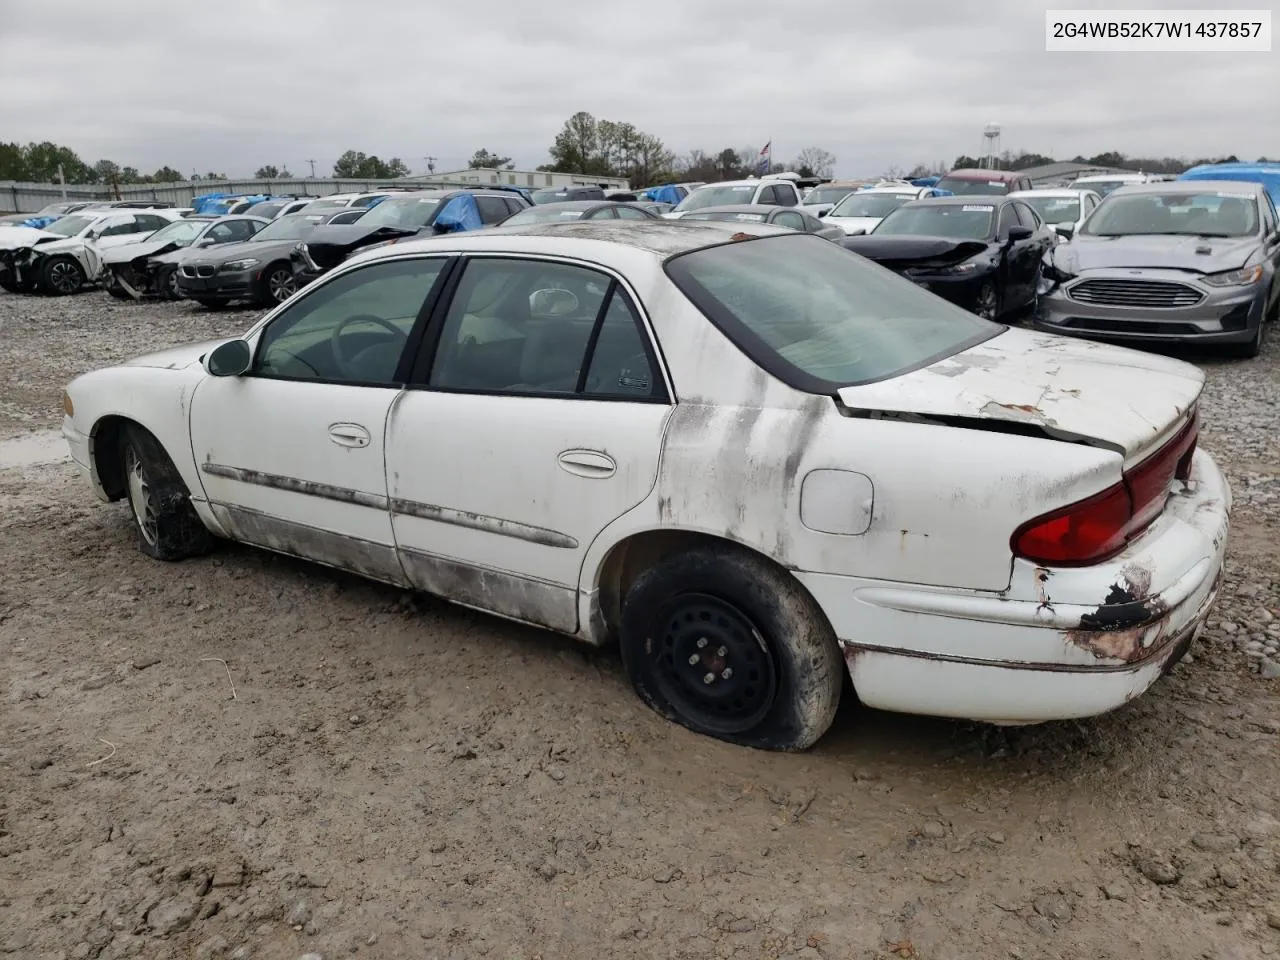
[
  {"x": 1267, "y": 174},
  {"x": 663, "y": 194},
  {"x": 200, "y": 203},
  {"x": 39, "y": 223},
  {"x": 459, "y": 214},
  {"x": 925, "y": 181}
]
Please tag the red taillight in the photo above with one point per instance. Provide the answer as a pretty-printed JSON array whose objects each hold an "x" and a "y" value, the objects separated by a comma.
[{"x": 1100, "y": 526}]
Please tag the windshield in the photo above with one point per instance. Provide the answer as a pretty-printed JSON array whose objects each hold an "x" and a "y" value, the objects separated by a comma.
[
  {"x": 731, "y": 215},
  {"x": 319, "y": 206},
  {"x": 293, "y": 227},
  {"x": 968, "y": 221},
  {"x": 802, "y": 304},
  {"x": 717, "y": 195},
  {"x": 870, "y": 204},
  {"x": 1103, "y": 187},
  {"x": 1055, "y": 209},
  {"x": 542, "y": 215},
  {"x": 1210, "y": 214},
  {"x": 53, "y": 208},
  {"x": 180, "y": 231},
  {"x": 827, "y": 194},
  {"x": 962, "y": 187},
  {"x": 69, "y": 226},
  {"x": 408, "y": 213},
  {"x": 269, "y": 209}
]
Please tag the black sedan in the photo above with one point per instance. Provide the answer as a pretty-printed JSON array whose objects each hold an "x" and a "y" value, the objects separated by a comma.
[
  {"x": 981, "y": 253},
  {"x": 572, "y": 210},
  {"x": 788, "y": 217}
]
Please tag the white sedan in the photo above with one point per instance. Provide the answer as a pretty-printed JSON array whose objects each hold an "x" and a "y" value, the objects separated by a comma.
[{"x": 749, "y": 456}]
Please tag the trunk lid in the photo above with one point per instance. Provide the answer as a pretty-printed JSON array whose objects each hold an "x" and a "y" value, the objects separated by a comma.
[{"x": 1070, "y": 389}]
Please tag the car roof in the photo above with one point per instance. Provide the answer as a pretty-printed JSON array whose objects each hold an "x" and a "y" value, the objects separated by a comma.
[
  {"x": 662, "y": 238},
  {"x": 580, "y": 204},
  {"x": 765, "y": 208},
  {"x": 975, "y": 173},
  {"x": 1053, "y": 192},
  {"x": 1194, "y": 186},
  {"x": 1098, "y": 177}
]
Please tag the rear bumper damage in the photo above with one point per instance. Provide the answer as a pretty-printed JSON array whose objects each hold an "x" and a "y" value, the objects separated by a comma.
[{"x": 1059, "y": 643}]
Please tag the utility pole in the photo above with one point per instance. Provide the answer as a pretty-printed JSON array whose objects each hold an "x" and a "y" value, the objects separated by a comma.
[
  {"x": 62, "y": 179},
  {"x": 313, "y": 168},
  {"x": 431, "y": 164}
]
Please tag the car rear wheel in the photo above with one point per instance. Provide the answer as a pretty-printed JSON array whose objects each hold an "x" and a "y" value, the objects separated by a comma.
[
  {"x": 61, "y": 276},
  {"x": 726, "y": 644},
  {"x": 167, "y": 524},
  {"x": 278, "y": 284}
]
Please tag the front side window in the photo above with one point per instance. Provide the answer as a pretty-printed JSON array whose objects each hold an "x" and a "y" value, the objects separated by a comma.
[
  {"x": 818, "y": 318},
  {"x": 789, "y": 219},
  {"x": 534, "y": 327},
  {"x": 1008, "y": 218},
  {"x": 631, "y": 213},
  {"x": 352, "y": 329},
  {"x": 121, "y": 227},
  {"x": 1056, "y": 210}
]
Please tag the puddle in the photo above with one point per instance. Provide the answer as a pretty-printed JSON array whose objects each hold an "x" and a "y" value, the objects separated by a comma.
[{"x": 33, "y": 450}]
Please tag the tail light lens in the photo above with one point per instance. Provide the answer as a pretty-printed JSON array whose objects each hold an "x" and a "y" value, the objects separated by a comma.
[{"x": 1100, "y": 526}]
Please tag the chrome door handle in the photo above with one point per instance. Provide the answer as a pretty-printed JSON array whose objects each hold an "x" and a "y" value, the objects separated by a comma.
[
  {"x": 349, "y": 435},
  {"x": 588, "y": 463}
]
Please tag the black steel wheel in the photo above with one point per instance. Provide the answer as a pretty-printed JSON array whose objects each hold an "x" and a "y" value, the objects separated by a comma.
[
  {"x": 713, "y": 665},
  {"x": 725, "y": 642}
]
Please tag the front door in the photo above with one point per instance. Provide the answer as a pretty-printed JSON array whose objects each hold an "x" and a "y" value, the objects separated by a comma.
[
  {"x": 535, "y": 421},
  {"x": 291, "y": 453}
]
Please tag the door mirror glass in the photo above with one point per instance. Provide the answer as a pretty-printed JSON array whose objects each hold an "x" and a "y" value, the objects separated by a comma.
[
  {"x": 823, "y": 213},
  {"x": 1020, "y": 232},
  {"x": 229, "y": 359},
  {"x": 1066, "y": 230}
]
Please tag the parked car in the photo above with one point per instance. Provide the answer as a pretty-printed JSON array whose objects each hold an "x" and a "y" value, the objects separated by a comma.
[
  {"x": 563, "y": 194},
  {"x": 279, "y": 207},
  {"x": 1064, "y": 210},
  {"x": 671, "y": 193},
  {"x": 577, "y": 210},
  {"x": 793, "y": 218},
  {"x": 1103, "y": 183},
  {"x": 66, "y": 255},
  {"x": 979, "y": 182},
  {"x": 402, "y": 216},
  {"x": 859, "y": 212},
  {"x": 807, "y": 466},
  {"x": 655, "y": 207},
  {"x": 335, "y": 201},
  {"x": 150, "y": 268},
  {"x": 983, "y": 254},
  {"x": 257, "y": 269},
  {"x": 822, "y": 198},
  {"x": 766, "y": 190},
  {"x": 1184, "y": 261},
  {"x": 1266, "y": 173}
]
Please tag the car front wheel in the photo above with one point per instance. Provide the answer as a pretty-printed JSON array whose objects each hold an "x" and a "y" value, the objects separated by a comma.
[
  {"x": 167, "y": 524},
  {"x": 725, "y": 643},
  {"x": 278, "y": 284},
  {"x": 61, "y": 276},
  {"x": 985, "y": 303}
]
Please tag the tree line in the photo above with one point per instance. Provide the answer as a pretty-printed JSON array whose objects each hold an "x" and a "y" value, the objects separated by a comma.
[
  {"x": 1024, "y": 160},
  {"x": 40, "y": 163}
]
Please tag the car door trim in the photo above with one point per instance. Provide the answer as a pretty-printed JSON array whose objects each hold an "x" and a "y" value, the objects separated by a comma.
[
  {"x": 309, "y": 488},
  {"x": 483, "y": 522}
]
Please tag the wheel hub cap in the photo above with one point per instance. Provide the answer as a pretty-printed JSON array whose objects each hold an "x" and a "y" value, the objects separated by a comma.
[
  {"x": 64, "y": 277},
  {"x": 281, "y": 285}
]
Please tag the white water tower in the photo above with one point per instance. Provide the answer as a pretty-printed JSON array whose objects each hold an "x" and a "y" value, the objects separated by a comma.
[{"x": 991, "y": 145}]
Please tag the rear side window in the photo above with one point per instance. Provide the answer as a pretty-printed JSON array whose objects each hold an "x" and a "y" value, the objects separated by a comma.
[
  {"x": 492, "y": 209},
  {"x": 819, "y": 318}
]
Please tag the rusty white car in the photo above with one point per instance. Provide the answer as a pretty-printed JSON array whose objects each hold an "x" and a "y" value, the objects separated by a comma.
[{"x": 753, "y": 459}]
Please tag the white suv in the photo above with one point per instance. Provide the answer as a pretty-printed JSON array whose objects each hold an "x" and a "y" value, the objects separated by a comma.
[{"x": 774, "y": 191}]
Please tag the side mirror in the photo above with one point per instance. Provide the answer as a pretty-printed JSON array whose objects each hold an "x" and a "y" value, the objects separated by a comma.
[
  {"x": 230, "y": 359},
  {"x": 206, "y": 242},
  {"x": 1065, "y": 230},
  {"x": 823, "y": 213},
  {"x": 1020, "y": 233},
  {"x": 856, "y": 232}
]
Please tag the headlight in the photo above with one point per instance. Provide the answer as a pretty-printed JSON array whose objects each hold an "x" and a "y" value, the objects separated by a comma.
[
  {"x": 960, "y": 269},
  {"x": 235, "y": 266},
  {"x": 1235, "y": 278}
]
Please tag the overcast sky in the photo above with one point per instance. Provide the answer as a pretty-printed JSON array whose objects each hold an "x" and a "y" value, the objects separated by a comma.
[{"x": 230, "y": 85}]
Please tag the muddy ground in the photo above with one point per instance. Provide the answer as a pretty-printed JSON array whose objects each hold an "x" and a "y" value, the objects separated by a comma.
[{"x": 373, "y": 774}]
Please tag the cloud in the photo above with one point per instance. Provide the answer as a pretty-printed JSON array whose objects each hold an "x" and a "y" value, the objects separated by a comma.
[{"x": 242, "y": 83}]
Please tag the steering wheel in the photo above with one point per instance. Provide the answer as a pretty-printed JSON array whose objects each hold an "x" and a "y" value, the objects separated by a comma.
[{"x": 335, "y": 338}]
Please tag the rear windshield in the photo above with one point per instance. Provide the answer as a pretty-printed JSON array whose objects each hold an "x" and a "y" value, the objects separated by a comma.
[
  {"x": 819, "y": 317},
  {"x": 962, "y": 187}
]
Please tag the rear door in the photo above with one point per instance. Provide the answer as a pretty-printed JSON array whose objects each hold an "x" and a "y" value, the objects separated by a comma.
[{"x": 534, "y": 419}]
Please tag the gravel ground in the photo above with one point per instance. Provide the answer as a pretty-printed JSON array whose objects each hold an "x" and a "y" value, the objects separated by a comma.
[{"x": 392, "y": 777}]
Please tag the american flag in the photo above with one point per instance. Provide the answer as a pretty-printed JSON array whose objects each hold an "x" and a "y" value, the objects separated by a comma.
[{"x": 765, "y": 158}]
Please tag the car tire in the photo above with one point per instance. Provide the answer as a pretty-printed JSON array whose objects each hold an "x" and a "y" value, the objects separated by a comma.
[
  {"x": 731, "y": 615},
  {"x": 167, "y": 524},
  {"x": 166, "y": 283},
  {"x": 211, "y": 304},
  {"x": 8, "y": 283},
  {"x": 61, "y": 277},
  {"x": 278, "y": 285},
  {"x": 987, "y": 295}
]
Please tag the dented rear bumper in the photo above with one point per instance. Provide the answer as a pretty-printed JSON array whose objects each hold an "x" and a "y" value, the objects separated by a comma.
[{"x": 1059, "y": 643}]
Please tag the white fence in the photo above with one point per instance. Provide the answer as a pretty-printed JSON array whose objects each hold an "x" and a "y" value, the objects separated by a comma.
[{"x": 16, "y": 197}]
